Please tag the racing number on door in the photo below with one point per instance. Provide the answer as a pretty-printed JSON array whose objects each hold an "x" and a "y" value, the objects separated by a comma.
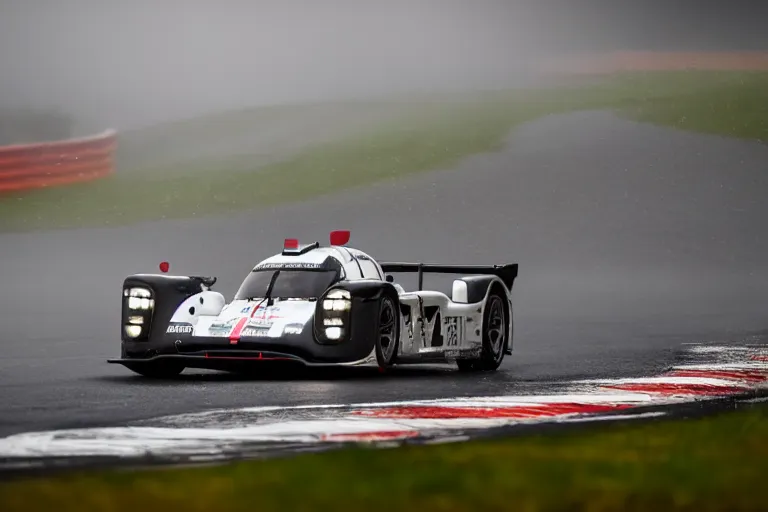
[{"x": 453, "y": 334}]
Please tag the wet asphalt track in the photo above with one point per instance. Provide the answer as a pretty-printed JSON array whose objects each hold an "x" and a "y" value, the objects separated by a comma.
[{"x": 631, "y": 240}]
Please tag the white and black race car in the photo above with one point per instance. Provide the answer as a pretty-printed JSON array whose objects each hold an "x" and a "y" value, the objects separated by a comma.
[{"x": 317, "y": 306}]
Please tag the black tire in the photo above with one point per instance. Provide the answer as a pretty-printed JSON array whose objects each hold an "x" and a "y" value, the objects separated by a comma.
[
  {"x": 495, "y": 337},
  {"x": 156, "y": 370},
  {"x": 387, "y": 332}
]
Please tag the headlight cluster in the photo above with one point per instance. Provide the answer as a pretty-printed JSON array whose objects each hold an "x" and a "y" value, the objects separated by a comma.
[
  {"x": 139, "y": 303},
  {"x": 336, "y": 307}
]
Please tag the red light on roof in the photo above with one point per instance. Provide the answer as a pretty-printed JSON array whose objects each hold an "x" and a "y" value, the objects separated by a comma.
[
  {"x": 164, "y": 267},
  {"x": 339, "y": 237},
  {"x": 291, "y": 243}
]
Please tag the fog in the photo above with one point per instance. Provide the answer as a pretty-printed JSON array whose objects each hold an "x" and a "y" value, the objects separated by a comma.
[{"x": 126, "y": 64}]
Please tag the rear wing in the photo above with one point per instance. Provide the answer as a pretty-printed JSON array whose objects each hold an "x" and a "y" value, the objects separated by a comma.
[{"x": 507, "y": 273}]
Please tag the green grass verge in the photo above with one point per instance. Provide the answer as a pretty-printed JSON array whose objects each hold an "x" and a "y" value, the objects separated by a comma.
[
  {"x": 435, "y": 135},
  {"x": 716, "y": 463}
]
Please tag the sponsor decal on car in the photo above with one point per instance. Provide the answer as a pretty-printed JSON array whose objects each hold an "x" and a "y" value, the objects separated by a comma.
[
  {"x": 454, "y": 330},
  {"x": 179, "y": 329},
  {"x": 255, "y": 332},
  {"x": 276, "y": 266},
  {"x": 293, "y": 329},
  {"x": 265, "y": 316},
  {"x": 222, "y": 328}
]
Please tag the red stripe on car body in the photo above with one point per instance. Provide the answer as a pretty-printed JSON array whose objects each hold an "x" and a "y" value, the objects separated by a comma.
[{"x": 234, "y": 336}]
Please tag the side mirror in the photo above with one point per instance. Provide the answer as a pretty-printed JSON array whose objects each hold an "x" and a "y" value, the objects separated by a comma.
[
  {"x": 208, "y": 282},
  {"x": 389, "y": 278},
  {"x": 459, "y": 292}
]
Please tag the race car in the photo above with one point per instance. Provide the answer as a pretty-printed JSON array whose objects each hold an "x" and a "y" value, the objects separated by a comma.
[{"x": 317, "y": 306}]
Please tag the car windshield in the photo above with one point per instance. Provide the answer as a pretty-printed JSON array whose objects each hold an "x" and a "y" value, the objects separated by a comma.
[{"x": 289, "y": 284}]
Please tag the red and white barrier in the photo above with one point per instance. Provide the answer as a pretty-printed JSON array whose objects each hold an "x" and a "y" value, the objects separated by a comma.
[{"x": 48, "y": 164}]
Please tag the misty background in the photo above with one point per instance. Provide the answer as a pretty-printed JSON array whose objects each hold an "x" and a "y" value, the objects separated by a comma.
[
  {"x": 631, "y": 238},
  {"x": 127, "y": 64}
]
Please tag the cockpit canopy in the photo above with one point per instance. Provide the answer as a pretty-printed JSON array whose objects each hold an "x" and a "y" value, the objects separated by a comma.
[
  {"x": 306, "y": 272},
  {"x": 289, "y": 284},
  {"x": 291, "y": 280}
]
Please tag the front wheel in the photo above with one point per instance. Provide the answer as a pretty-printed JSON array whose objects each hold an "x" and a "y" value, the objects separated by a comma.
[
  {"x": 388, "y": 332},
  {"x": 495, "y": 335}
]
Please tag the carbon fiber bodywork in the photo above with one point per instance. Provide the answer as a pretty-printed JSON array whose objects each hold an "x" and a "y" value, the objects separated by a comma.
[{"x": 307, "y": 346}]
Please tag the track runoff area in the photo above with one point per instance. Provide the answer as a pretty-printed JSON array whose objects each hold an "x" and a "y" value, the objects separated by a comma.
[{"x": 707, "y": 374}]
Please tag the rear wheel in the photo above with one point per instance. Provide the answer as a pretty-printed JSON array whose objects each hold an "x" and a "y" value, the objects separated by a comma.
[
  {"x": 388, "y": 332},
  {"x": 495, "y": 335}
]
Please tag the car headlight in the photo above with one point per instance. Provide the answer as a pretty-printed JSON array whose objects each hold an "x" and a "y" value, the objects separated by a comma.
[
  {"x": 137, "y": 292},
  {"x": 133, "y": 331},
  {"x": 337, "y": 300},
  {"x": 139, "y": 298},
  {"x": 335, "y": 313},
  {"x": 333, "y": 333},
  {"x": 138, "y": 304}
]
